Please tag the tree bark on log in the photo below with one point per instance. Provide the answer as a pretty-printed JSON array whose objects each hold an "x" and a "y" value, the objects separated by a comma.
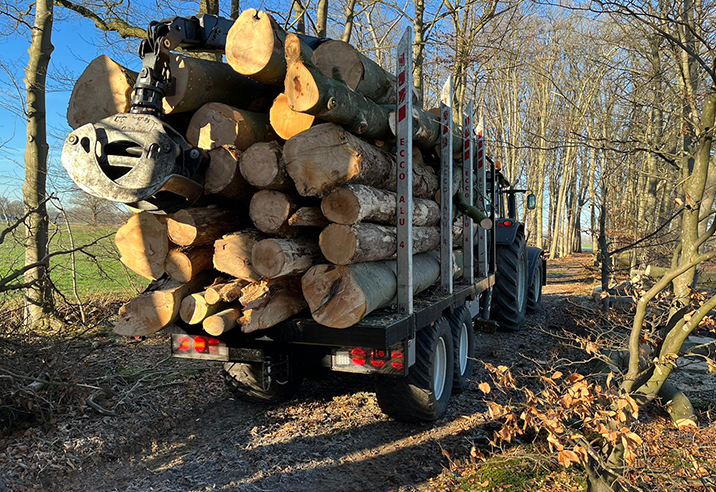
[
  {"x": 308, "y": 217},
  {"x": 255, "y": 47},
  {"x": 143, "y": 245},
  {"x": 325, "y": 157},
  {"x": 155, "y": 308},
  {"x": 263, "y": 166},
  {"x": 339, "y": 296},
  {"x": 103, "y": 89},
  {"x": 223, "y": 176},
  {"x": 311, "y": 91},
  {"x": 198, "y": 82},
  {"x": 341, "y": 61},
  {"x": 194, "y": 308},
  {"x": 269, "y": 211},
  {"x": 222, "y": 322},
  {"x": 352, "y": 204},
  {"x": 274, "y": 258},
  {"x": 225, "y": 291},
  {"x": 202, "y": 225},
  {"x": 270, "y": 302},
  {"x": 216, "y": 124},
  {"x": 184, "y": 264},
  {"x": 344, "y": 244},
  {"x": 232, "y": 254},
  {"x": 285, "y": 121},
  {"x": 426, "y": 130}
]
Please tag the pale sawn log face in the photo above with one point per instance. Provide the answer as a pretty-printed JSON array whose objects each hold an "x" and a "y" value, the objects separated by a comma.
[
  {"x": 262, "y": 166},
  {"x": 222, "y": 322},
  {"x": 274, "y": 257},
  {"x": 216, "y": 124},
  {"x": 184, "y": 264},
  {"x": 202, "y": 225},
  {"x": 232, "y": 254},
  {"x": 223, "y": 176},
  {"x": 143, "y": 245},
  {"x": 285, "y": 121},
  {"x": 270, "y": 210}
]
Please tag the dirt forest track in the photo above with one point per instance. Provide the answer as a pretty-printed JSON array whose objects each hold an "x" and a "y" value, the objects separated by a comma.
[{"x": 332, "y": 437}]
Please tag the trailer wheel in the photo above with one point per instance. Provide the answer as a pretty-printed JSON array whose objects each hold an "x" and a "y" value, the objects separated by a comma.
[
  {"x": 534, "y": 296},
  {"x": 250, "y": 382},
  {"x": 511, "y": 284},
  {"x": 424, "y": 394},
  {"x": 463, "y": 336}
]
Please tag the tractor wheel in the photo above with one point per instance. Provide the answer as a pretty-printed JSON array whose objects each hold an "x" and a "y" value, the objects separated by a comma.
[
  {"x": 423, "y": 394},
  {"x": 463, "y": 336},
  {"x": 534, "y": 296},
  {"x": 509, "y": 301},
  {"x": 251, "y": 382}
]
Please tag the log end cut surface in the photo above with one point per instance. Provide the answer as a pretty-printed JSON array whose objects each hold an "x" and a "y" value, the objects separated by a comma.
[
  {"x": 270, "y": 256},
  {"x": 285, "y": 121},
  {"x": 333, "y": 297},
  {"x": 178, "y": 266},
  {"x": 143, "y": 245},
  {"x": 338, "y": 243},
  {"x": 182, "y": 228},
  {"x": 339, "y": 60},
  {"x": 250, "y": 42},
  {"x": 341, "y": 206},
  {"x": 301, "y": 89}
]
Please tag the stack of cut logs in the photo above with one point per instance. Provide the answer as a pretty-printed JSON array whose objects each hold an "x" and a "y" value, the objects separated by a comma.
[{"x": 299, "y": 205}]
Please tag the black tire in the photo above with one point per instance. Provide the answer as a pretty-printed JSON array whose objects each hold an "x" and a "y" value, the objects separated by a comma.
[
  {"x": 509, "y": 302},
  {"x": 417, "y": 397},
  {"x": 463, "y": 336},
  {"x": 534, "y": 295},
  {"x": 249, "y": 382}
]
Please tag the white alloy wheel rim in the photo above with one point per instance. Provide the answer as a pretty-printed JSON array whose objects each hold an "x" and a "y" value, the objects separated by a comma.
[
  {"x": 440, "y": 369},
  {"x": 463, "y": 346}
]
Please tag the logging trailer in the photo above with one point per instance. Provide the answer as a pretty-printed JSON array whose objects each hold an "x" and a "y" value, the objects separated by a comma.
[{"x": 421, "y": 347}]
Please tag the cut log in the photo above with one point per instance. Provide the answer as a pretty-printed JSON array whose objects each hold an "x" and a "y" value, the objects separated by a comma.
[
  {"x": 104, "y": 89},
  {"x": 224, "y": 292},
  {"x": 184, "y": 264},
  {"x": 308, "y": 217},
  {"x": 311, "y": 91},
  {"x": 269, "y": 211},
  {"x": 360, "y": 203},
  {"x": 270, "y": 302},
  {"x": 217, "y": 124},
  {"x": 194, "y": 308},
  {"x": 340, "y": 60},
  {"x": 222, "y": 322},
  {"x": 155, "y": 308},
  {"x": 232, "y": 254},
  {"x": 326, "y": 157},
  {"x": 199, "y": 81},
  {"x": 285, "y": 121},
  {"x": 343, "y": 244},
  {"x": 426, "y": 130},
  {"x": 274, "y": 258},
  {"x": 143, "y": 245},
  {"x": 262, "y": 165},
  {"x": 202, "y": 225},
  {"x": 223, "y": 176},
  {"x": 471, "y": 211},
  {"x": 255, "y": 47},
  {"x": 340, "y": 296}
]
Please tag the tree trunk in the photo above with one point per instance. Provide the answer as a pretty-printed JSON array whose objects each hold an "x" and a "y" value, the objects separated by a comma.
[
  {"x": 184, "y": 264},
  {"x": 267, "y": 303},
  {"x": 255, "y": 47},
  {"x": 269, "y": 211},
  {"x": 216, "y": 125},
  {"x": 223, "y": 176},
  {"x": 360, "y": 203},
  {"x": 325, "y": 157},
  {"x": 262, "y": 165},
  {"x": 143, "y": 245},
  {"x": 224, "y": 291},
  {"x": 273, "y": 258},
  {"x": 194, "y": 309},
  {"x": 285, "y": 121},
  {"x": 340, "y": 296},
  {"x": 38, "y": 296},
  {"x": 308, "y": 217},
  {"x": 311, "y": 91},
  {"x": 321, "y": 18},
  {"x": 232, "y": 254},
  {"x": 155, "y": 308},
  {"x": 343, "y": 244},
  {"x": 202, "y": 225},
  {"x": 341, "y": 61},
  {"x": 103, "y": 89},
  {"x": 350, "y": 16},
  {"x": 222, "y": 322},
  {"x": 418, "y": 47}
]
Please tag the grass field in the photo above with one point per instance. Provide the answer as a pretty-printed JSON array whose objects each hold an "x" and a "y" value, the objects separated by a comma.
[{"x": 99, "y": 271}]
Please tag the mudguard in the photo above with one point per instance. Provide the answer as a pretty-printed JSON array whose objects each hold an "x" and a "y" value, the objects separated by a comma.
[
  {"x": 506, "y": 230},
  {"x": 533, "y": 256}
]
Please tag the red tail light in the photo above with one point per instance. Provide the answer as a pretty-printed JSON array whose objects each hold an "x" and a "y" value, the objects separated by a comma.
[
  {"x": 377, "y": 363},
  {"x": 200, "y": 344},
  {"x": 397, "y": 360},
  {"x": 358, "y": 356},
  {"x": 184, "y": 344},
  {"x": 506, "y": 223},
  {"x": 214, "y": 346}
]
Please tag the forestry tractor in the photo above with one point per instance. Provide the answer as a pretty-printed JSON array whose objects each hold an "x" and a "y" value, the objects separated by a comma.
[{"x": 420, "y": 340}]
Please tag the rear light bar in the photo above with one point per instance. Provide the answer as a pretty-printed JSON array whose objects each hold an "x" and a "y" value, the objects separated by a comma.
[
  {"x": 198, "y": 347},
  {"x": 368, "y": 360}
]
